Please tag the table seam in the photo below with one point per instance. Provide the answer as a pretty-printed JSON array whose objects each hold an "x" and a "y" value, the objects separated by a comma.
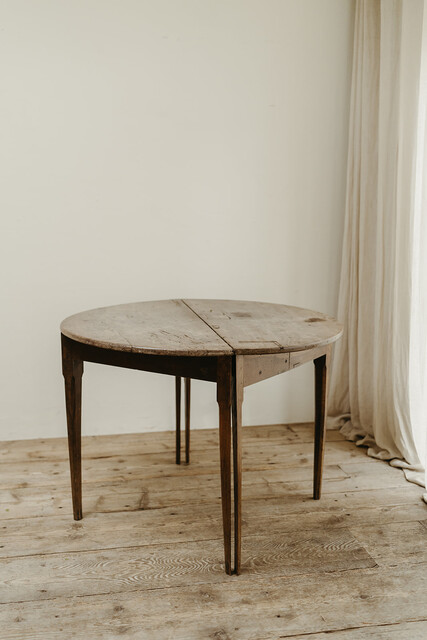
[{"x": 207, "y": 324}]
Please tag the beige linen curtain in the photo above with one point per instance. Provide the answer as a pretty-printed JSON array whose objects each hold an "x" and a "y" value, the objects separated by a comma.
[{"x": 379, "y": 375}]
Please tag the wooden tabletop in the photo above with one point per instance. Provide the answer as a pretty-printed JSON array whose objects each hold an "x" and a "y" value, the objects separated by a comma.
[{"x": 202, "y": 327}]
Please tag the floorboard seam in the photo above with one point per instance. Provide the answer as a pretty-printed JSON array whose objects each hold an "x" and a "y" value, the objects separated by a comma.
[
  {"x": 339, "y": 629},
  {"x": 226, "y": 581}
]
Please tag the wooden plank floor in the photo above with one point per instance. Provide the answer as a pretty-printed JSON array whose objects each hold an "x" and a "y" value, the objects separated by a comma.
[{"x": 146, "y": 560}]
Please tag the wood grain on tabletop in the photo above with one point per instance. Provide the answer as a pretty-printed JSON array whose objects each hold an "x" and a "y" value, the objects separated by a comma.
[{"x": 202, "y": 327}]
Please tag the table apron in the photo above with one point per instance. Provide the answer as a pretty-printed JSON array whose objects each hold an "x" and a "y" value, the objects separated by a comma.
[{"x": 197, "y": 367}]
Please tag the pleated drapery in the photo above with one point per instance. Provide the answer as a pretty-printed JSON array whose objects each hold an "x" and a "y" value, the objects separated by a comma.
[{"x": 379, "y": 375}]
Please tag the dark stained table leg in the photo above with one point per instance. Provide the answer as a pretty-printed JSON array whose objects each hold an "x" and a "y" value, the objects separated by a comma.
[
  {"x": 321, "y": 366},
  {"x": 72, "y": 369},
  {"x": 237, "y": 458},
  {"x": 178, "y": 419},
  {"x": 187, "y": 418},
  {"x": 224, "y": 393}
]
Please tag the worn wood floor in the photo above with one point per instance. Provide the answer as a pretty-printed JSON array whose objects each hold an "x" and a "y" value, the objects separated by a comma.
[{"x": 146, "y": 560}]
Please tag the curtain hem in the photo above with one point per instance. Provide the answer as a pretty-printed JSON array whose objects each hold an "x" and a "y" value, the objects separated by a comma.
[{"x": 356, "y": 434}]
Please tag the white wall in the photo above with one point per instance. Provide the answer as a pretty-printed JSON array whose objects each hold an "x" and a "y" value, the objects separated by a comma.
[{"x": 164, "y": 148}]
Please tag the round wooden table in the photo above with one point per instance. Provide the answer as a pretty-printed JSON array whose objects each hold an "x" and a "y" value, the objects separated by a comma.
[{"x": 233, "y": 343}]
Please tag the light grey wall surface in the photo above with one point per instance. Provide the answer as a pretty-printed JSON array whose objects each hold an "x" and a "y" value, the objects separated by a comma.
[{"x": 157, "y": 149}]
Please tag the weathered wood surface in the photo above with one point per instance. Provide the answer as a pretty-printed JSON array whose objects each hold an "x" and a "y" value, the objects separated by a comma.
[
  {"x": 379, "y": 540},
  {"x": 59, "y": 533},
  {"x": 131, "y": 496},
  {"x": 261, "y": 327},
  {"x": 116, "y": 469},
  {"x": 146, "y": 559},
  {"x": 202, "y": 327},
  {"x": 166, "y": 565},
  {"x": 297, "y": 358},
  {"x": 151, "y": 481},
  {"x": 261, "y": 367},
  {"x": 153, "y": 442},
  {"x": 154, "y": 493},
  {"x": 166, "y": 327},
  {"x": 387, "y": 631},
  {"x": 257, "y": 609},
  {"x": 256, "y": 452}
]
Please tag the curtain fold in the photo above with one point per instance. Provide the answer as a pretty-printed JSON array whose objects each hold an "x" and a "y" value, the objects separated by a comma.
[{"x": 379, "y": 375}]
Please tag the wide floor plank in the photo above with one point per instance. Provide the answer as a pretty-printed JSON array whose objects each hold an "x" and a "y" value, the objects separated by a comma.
[
  {"x": 259, "y": 609},
  {"x": 155, "y": 442},
  {"x": 153, "y": 567},
  {"x": 56, "y": 534},
  {"x": 135, "y": 495}
]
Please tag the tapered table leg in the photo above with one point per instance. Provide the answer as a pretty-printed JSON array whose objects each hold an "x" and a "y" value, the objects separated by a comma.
[
  {"x": 72, "y": 369},
  {"x": 187, "y": 418},
  {"x": 237, "y": 459},
  {"x": 224, "y": 393},
  {"x": 321, "y": 366},
  {"x": 178, "y": 420}
]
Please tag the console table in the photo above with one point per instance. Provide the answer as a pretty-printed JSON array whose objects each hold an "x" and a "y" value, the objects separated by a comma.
[{"x": 233, "y": 343}]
